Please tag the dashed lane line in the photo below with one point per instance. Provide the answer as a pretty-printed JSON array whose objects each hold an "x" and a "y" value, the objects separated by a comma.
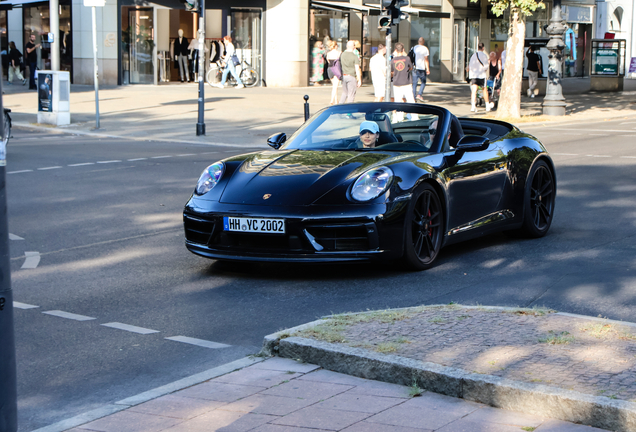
[
  {"x": 130, "y": 328},
  {"x": 107, "y": 162},
  {"x": 32, "y": 260},
  {"x": 628, "y": 157},
  {"x": 19, "y": 172},
  {"x": 81, "y": 164},
  {"x": 186, "y": 154},
  {"x": 49, "y": 168},
  {"x": 197, "y": 342},
  {"x": 598, "y": 156},
  {"x": 23, "y": 305},
  {"x": 14, "y": 237},
  {"x": 161, "y": 157},
  {"x": 68, "y": 315},
  {"x": 136, "y": 159},
  {"x": 564, "y": 154}
]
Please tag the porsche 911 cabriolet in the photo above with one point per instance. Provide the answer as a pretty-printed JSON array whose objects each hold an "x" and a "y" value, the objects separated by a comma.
[{"x": 369, "y": 181}]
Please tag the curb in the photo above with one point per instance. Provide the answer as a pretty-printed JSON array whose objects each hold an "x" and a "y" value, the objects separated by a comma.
[
  {"x": 124, "y": 404},
  {"x": 537, "y": 399}
]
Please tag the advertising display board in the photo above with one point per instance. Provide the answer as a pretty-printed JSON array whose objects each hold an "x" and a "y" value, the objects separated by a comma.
[
  {"x": 45, "y": 92},
  {"x": 606, "y": 61}
]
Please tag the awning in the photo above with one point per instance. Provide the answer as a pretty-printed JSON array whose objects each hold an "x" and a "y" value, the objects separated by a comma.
[
  {"x": 19, "y": 3},
  {"x": 375, "y": 10},
  {"x": 345, "y": 7}
]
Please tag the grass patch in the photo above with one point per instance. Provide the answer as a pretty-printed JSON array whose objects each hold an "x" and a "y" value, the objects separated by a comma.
[
  {"x": 415, "y": 390},
  {"x": 436, "y": 320},
  {"x": 534, "y": 311},
  {"x": 553, "y": 338},
  {"x": 598, "y": 330},
  {"x": 386, "y": 347},
  {"x": 528, "y": 428}
]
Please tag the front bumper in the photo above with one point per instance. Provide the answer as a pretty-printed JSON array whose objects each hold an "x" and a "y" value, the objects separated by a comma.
[{"x": 313, "y": 233}]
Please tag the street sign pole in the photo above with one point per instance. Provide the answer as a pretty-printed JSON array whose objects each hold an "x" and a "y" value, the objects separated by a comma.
[
  {"x": 201, "y": 121},
  {"x": 93, "y": 4},
  {"x": 387, "y": 90},
  {"x": 8, "y": 381},
  {"x": 95, "y": 69}
]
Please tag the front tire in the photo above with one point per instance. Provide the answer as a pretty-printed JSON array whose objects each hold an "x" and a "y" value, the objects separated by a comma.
[
  {"x": 249, "y": 77},
  {"x": 539, "y": 200},
  {"x": 423, "y": 229}
]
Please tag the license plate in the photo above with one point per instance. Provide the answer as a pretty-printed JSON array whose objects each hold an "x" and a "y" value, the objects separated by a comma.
[{"x": 254, "y": 225}]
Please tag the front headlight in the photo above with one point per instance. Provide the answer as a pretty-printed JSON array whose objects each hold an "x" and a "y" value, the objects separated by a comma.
[
  {"x": 209, "y": 178},
  {"x": 372, "y": 184}
]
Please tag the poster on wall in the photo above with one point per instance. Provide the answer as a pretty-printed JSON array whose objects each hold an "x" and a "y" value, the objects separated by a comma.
[
  {"x": 45, "y": 92},
  {"x": 606, "y": 61},
  {"x": 632, "y": 65}
]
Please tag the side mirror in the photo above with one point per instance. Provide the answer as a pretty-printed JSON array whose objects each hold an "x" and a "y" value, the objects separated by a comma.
[
  {"x": 473, "y": 143},
  {"x": 277, "y": 140}
]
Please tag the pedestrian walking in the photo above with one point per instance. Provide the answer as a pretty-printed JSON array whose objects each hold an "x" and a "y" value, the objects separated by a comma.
[
  {"x": 32, "y": 59},
  {"x": 421, "y": 68},
  {"x": 14, "y": 64},
  {"x": 377, "y": 65},
  {"x": 477, "y": 73},
  {"x": 401, "y": 69},
  {"x": 534, "y": 66},
  {"x": 351, "y": 73},
  {"x": 334, "y": 70},
  {"x": 317, "y": 63},
  {"x": 228, "y": 59}
]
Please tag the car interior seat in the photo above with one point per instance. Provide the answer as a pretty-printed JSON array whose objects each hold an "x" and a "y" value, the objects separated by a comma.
[
  {"x": 386, "y": 130},
  {"x": 456, "y": 130}
]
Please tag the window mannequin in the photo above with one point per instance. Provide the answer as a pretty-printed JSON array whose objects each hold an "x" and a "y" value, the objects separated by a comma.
[{"x": 181, "y": 54}]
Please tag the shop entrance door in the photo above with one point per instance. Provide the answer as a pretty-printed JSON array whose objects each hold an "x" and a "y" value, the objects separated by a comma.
[
  {"x": 141, "y": 46},
  {"x": 459, "y": 50},
  {"x": 246, "y": 35}
]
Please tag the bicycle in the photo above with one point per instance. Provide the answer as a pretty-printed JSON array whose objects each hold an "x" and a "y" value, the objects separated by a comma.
[{"x": 249, "y": 76}]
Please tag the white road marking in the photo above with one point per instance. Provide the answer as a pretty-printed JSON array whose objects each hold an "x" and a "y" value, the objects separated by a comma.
[
  {"x": 14, "y": 237},
  {"x": 18, "y": 172},
  {"x": 564, "y": 154},
  {"x": 110, "y": 161},
  {"x": 594, "y": 130},
  {"x": 186, "y": 154},
  {"x": 82, "y": 164},
  {"x": 68, "y": 315},
  {"x": 630, "y": 122},
  {"x": 23, "y": 305},
  {"x": 49, "y": 168},
  {"x": 597, "y": 134},
  {"x": 598, "y": 155},
  {"x": 628, "y": 157},
  {"x": 130, "y": 328},
  {"x": 32, "y": 260},
  {"x": 161, "y": 157},
  {"x": 198, "y": 342},
  {"x": 137, "y": 159}
]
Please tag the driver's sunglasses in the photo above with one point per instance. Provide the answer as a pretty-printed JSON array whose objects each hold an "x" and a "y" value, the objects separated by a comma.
[
  {"x": 366, "y": 131},
  {"x": 432, "y": 131}
]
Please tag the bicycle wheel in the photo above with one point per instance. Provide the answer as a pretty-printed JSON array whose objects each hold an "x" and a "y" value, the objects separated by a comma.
[
  {"x": 249, "y": 77},
  {"x": 212, "y": 76}
]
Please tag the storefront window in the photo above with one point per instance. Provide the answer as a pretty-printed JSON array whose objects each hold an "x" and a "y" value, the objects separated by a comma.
[
  {"x": 246, "y": 28},
  {"x": 429, "y": 29},
  {"x": 536, "y": 22},
  {"x": 37, "y": 21},
  {"x": 329, "y": 25}
]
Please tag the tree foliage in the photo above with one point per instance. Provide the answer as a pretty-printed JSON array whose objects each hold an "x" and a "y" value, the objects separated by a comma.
[{"x": 510, "y": 100}]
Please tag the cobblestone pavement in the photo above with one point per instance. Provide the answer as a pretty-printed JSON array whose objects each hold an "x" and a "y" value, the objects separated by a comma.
[{"x": 595, "y": 357}]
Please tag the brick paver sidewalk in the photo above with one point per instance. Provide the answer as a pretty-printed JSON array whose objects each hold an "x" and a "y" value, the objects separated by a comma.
[
  {"x": 282, "y": 395},
  {"x": 590, "y": 356}
]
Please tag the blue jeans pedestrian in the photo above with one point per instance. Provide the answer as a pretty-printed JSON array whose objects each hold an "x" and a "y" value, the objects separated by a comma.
[
  {"x": 229, "y": 67},
  {"x": 32, "y": 85},
  {"x": 419, "y": 74}
]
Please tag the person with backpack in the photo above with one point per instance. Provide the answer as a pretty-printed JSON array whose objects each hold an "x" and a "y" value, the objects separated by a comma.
[
  {"x": 419, "y": 57},
  {"x": 478, "y": 73},
  {"x": 14, "y": 64}
]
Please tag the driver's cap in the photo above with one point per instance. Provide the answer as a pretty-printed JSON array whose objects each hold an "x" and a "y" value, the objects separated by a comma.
[{"x": 369, "y": 126}]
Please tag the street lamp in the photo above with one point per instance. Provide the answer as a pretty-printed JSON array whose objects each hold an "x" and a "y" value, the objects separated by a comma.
[{"x": 554, "y": 102}]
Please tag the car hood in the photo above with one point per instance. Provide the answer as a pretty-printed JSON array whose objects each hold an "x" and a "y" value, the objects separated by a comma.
[{"x": 296, "y": 177}]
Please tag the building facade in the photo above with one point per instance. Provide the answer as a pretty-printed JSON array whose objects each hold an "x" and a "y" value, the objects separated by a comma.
[{"x": 136, "y": 37}]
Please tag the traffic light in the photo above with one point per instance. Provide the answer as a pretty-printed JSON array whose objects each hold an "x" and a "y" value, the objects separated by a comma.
[
  {"x": 191, "y": 5},
  {"x": 384, "y": 22},
  {"x": 391, "y": 9}
]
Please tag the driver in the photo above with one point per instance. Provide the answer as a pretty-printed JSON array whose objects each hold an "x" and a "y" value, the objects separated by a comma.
[
  {"x": 432, "y": 130},
  {"x": 369, "y": 134}
]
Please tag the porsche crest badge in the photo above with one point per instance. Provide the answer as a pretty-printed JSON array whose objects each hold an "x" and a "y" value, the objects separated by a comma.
[{"x": 267, "y": 196}]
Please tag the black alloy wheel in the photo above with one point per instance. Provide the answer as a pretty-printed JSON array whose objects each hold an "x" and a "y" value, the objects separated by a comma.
[
  {"x": 423, "y": 228},
  {"x": 539, "y": 201}
]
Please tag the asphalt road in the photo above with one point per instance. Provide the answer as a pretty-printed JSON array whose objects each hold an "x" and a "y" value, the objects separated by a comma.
[{"x": 104, "y": 218}]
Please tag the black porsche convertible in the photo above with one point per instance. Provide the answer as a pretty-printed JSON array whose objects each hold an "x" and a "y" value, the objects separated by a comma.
[{"x": 368, "y": 181}]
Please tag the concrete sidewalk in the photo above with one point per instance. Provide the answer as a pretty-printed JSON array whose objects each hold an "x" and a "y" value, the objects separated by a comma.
[{"x": 246, "y": 117}]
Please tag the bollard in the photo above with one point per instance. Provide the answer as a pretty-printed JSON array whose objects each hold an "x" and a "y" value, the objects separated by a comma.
[{"x": 306, "y": 97}]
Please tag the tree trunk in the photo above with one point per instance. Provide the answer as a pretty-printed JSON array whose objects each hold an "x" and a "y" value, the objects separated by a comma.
[{"x": 510, "y": 99}]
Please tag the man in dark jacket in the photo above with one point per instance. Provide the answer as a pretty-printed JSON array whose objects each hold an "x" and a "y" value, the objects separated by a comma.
[
  {"x": 32, "y": 59},
  {"x": 534, "y": 66}
]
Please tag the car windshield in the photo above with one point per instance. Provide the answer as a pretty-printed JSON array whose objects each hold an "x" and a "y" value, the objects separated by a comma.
[{"x": 369, "y": 127}]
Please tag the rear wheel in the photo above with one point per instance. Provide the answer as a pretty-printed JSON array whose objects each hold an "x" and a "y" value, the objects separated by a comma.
[
  {"x": 423, "y": 229},
  {"x": 249, "y": 77},
  {"x": 539, "y": 201}
]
